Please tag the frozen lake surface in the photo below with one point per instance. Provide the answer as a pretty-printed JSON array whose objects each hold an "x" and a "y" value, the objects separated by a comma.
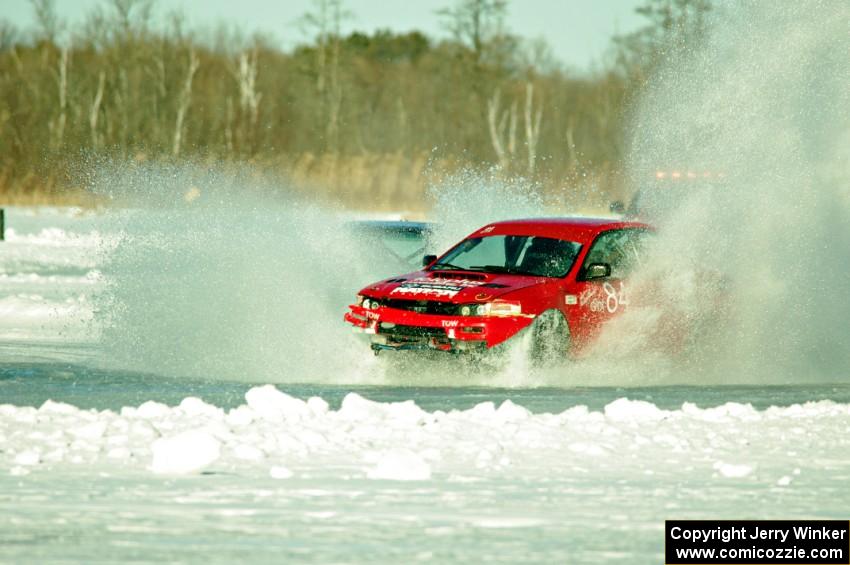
[
  {"x": 103, "y": 463},
  {"x": 322, "y": 474}
]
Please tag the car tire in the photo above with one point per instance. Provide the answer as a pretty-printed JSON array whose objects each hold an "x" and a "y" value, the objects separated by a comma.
[{"x": 550, "y": 339}]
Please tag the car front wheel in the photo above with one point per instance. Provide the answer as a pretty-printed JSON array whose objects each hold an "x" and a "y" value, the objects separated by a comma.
[{"x": 550, "y": 339}]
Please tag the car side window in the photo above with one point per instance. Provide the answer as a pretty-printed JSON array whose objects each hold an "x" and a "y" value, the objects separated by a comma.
[{"x": 623, "y": 250}]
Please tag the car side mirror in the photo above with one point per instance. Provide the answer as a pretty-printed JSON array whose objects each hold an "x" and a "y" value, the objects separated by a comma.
[
  {"x": 617, "y": 207},
  {"x": 597, "y": 271},
  {"x": 428, "y": 259}
]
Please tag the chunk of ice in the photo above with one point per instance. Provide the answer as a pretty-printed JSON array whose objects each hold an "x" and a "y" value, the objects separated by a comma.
[
  {"x": 187, "y": 452},
  {"x": 272, "y": 404}
]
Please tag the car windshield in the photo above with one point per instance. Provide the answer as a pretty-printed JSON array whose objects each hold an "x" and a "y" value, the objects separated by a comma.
[{"x": 514, "y": 254}]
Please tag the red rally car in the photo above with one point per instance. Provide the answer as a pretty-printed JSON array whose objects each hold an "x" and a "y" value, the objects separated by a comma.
[{"x": 563, "y": 278}]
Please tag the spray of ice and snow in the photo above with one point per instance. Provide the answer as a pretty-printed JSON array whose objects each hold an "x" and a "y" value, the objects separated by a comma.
[{"x": 764, "y": 101}]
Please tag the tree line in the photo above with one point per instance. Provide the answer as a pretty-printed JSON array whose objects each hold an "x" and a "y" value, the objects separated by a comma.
[{"x": 363, "y": 117}]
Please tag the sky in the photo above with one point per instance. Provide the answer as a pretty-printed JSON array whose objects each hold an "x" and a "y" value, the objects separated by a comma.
[{"x": 578, "y": 31}]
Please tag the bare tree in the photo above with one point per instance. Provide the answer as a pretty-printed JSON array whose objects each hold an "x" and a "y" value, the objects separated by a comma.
[
  {"x": 335, "y": 88},
  {"x": 185, "y": 102},
  {"x": 128, "y": 87},
  {"x": 403, "y": 121},
  {"x": 478, "y": 26},
  {"x": 228, "y": 125},
  {"x": 155, "y": 71},
  {"x": 131, "y": 16},
  {"x": 249, "y": 98},
  {"x": 326, "y": 23},
  {"x": 9, "y": 35},
  {"x": 47, "y": 21},
  {"x": 49, "y": 26},
  {"x": 57, "y": 128},
  {"x": 245, "y": 74},
  {"x": 94, "y": 112},
  {"x": 502, "y": 130},
  {"x": 318, "y": 22},
  {"x": 532, "y": 126},
  {"x": 674, "y": 27},
  {"x": 475, "y": 22},
  {"x": 572, "y": 155}
]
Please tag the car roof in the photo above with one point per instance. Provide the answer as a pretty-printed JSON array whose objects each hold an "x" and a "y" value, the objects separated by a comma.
[
  {"x": 578, "y": 228},
  {"x": 390, "y": 226}
]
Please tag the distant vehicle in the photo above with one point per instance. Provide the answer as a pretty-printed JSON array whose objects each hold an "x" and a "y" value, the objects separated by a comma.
[
  {"x": 665, "y": 193},
  {"x": 404, "y": 241},
  {"x": 562, "y": 278}
]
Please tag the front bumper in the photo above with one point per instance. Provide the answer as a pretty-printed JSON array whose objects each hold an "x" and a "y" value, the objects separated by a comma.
[{"x": 391, "y": 328}]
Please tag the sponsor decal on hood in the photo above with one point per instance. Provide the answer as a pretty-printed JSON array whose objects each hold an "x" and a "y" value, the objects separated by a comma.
[{"x": 446, "y": 288}]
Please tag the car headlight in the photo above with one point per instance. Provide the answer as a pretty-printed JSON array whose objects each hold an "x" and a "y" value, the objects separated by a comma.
[{"x": 502, "y": 308}]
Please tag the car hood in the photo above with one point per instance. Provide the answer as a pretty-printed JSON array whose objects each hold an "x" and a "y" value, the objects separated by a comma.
[{"x": 448, "y": 286}]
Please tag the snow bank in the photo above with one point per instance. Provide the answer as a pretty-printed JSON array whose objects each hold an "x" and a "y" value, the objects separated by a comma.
[
  {"x": 279, "y": 436},
  {"x": 33, "y": 317},
  {"x": 58, "y": 237},
  {"x": 53, "y": 249},
  {"x": 34, "y": 308},
  {"x": 49, "y": 276}
]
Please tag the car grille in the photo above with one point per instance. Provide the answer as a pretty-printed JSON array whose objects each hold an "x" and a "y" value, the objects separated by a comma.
[
  {"x": 413, "y": 331},
  {"x": 424, "y": 306}
]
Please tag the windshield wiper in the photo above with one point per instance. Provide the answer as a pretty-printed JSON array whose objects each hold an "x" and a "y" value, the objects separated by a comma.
[
  {"x": 448, "y": 267},
  {"x": 499, "y": 269}
]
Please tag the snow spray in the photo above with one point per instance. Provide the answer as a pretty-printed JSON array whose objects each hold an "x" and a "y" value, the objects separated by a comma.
[
  {"x": 765, "y": 101},
  {"x": 214, "y": 280},
  {"x": 214, "y": 277}
]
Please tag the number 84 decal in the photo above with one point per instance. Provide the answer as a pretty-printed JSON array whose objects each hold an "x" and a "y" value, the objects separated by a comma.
[
  {"x": 613, "y": 298},
  {"x": 611, "y": 302}
]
